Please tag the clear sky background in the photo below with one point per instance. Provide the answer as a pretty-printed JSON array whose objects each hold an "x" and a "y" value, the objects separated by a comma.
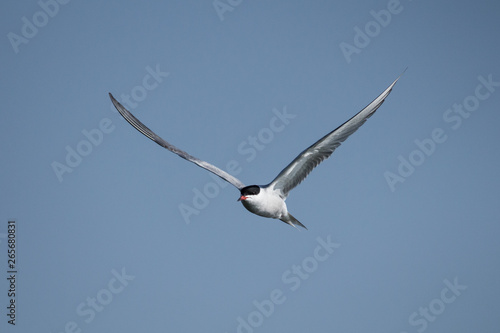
[{"x": 409, "y": 204}]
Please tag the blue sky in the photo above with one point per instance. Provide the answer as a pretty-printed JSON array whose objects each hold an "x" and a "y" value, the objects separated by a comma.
[{"x": 403, "y": 219}]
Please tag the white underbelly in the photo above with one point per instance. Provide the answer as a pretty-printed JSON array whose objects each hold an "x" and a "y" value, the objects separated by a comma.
[{"x": 269, "y": 206}]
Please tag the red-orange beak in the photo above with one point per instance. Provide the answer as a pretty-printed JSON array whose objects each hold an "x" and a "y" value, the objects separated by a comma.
[{"x": 242, "y": 198}]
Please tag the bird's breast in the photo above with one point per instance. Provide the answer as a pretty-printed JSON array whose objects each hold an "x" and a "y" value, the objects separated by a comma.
[{"x": 267, "y": 205}]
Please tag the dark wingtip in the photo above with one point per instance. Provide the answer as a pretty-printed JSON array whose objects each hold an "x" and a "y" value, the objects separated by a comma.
[
  {"x": 402, "y": 73},
  {"x": 115, "y": 102}
]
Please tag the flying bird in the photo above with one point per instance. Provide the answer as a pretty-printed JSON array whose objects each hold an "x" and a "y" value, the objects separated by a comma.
[{"x": 269, "y": 200}]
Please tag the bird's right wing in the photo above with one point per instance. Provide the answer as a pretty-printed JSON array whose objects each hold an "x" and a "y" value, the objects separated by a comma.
[
  {"x": 303, "y": 164},
  {"x": 129, "y": 117}
]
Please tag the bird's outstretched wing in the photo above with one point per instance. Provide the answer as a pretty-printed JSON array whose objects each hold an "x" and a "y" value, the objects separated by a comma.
[
  {"x": 151, "y": 135},
  {"x": 303, "y": 164}
]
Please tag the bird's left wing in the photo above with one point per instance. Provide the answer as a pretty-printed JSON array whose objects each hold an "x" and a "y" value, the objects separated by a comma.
[
  {"x": 303, "y": 164},
  {"x": 129, "y": 117}
]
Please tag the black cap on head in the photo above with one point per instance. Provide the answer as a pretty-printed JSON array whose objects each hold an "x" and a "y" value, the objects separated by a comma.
[{"x": 250, "y": 190}]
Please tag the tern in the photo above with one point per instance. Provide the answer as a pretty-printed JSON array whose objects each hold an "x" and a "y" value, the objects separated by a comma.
[{"x": 269, "y": 200}]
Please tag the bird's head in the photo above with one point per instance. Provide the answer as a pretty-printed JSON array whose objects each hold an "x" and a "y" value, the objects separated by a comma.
[{"x": 249, "y": 192}]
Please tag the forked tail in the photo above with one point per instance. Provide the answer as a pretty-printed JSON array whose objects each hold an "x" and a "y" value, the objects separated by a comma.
[{"x": 289, "y": 219}]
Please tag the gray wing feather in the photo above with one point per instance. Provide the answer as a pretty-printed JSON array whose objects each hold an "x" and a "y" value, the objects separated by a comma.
[
  {"x": 138, "y": 125},
  {"x": 306, "y": 161}
]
